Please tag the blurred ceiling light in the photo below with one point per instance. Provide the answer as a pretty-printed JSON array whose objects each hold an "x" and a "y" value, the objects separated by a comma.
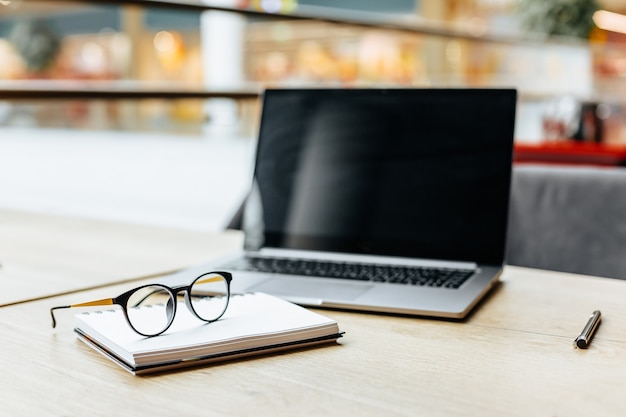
[
  {"x": 275, "y": 6},
  {"x": 164, "y": 41},
  {"x": 170, "y": 48},
  {"x": 92, "y": 58},
  {"x": 610, "y": 21},
  {"x": 271, "y": 6},
  {"x": 5, "y": 2}
]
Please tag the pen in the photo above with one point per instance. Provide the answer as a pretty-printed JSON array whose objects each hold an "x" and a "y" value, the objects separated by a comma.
[{"x": 584, "y": 339}]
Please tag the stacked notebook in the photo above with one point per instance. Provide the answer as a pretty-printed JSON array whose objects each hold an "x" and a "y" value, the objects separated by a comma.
[{"x": 254, "y": 323}]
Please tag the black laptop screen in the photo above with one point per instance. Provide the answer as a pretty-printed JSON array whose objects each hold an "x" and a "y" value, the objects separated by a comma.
[{"x": 399, "y": 172}]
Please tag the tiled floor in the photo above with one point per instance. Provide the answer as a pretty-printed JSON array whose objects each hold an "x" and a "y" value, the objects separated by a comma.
[{"x": 160, "y": 179}]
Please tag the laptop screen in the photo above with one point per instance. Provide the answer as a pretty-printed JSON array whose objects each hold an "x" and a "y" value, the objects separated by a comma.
[{"x": 420, "y": 173}]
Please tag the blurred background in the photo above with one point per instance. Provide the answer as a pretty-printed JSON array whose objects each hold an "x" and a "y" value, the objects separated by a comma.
[{"x": 146, "y": 111}]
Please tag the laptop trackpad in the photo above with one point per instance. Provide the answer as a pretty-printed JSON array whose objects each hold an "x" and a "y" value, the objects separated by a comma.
[{"x": 310, "y": 288}]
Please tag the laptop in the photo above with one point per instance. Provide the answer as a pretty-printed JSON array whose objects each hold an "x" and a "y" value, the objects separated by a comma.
[{"x": 378, "y": 200}]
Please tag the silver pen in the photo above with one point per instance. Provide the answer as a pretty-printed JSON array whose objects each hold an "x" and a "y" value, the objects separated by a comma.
[{"x": 584, "y": 339}]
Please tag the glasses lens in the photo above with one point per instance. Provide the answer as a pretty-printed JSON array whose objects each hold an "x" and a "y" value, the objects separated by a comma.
[
  {"x": 151, "y": 310},
  {"x": 209, "y": 296}
]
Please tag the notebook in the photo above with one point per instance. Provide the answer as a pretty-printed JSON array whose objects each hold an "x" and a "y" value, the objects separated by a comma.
[
  {"x": 379, "y": 200},
  {"x": 254, "y": 323}
]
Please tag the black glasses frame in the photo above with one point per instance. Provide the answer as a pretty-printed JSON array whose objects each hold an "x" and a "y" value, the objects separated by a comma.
[{"x": 122, "y": 301}]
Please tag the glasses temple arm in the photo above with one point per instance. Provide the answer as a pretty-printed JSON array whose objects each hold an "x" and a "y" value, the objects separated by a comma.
[
  {"x": 207, "y": 280},
  {"x": 54, "y": 322},
  {"x": 102, "y": 302}
]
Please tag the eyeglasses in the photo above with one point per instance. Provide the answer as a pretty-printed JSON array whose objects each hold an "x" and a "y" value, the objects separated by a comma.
[{"x": 150, "y": 309}]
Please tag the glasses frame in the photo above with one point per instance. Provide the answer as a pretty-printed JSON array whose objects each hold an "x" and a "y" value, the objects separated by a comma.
[{"x": 122, "y": 301}]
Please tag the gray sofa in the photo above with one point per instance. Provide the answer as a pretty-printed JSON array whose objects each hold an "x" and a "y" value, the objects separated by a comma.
[{"x": 570, "y": 219}]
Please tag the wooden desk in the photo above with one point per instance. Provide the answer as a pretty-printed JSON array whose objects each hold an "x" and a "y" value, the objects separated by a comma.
[
  {"x": 43, "y": 255},
  {"x": 512, "y": 357}
]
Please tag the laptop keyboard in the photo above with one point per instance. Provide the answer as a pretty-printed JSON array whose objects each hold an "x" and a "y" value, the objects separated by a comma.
[{"x": 433, "y": 277}]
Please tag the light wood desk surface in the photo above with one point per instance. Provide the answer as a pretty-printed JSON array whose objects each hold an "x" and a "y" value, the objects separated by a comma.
[
  {"x": 512, "y": 357},
  {"x": 42, "y": 255}
]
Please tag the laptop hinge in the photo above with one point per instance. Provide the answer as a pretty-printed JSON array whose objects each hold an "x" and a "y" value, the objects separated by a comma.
[{"x": 350, "y": 257}]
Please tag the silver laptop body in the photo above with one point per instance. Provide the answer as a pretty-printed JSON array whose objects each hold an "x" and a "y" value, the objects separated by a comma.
[{"x": 381, "y": 200}]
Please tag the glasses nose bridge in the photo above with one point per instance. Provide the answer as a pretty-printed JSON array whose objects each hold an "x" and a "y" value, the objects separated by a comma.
[
  {"x": 185, "y": 289},
  {"x": 180, "y": 289}
]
